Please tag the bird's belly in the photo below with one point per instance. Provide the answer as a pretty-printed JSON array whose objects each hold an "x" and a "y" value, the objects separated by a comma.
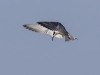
[{"x": 58, "y": 36}]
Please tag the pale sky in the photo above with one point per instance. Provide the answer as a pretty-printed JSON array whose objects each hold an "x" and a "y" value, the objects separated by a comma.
[{"x": 23, "y": 52}]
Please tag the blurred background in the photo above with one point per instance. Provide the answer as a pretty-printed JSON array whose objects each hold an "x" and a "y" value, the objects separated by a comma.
[{"x": 23, "y": 52}]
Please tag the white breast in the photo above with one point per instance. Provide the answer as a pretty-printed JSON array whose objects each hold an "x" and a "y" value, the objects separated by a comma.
[
  {"x": 51, "y": 33},
  {"x": 59, "y": 36}
]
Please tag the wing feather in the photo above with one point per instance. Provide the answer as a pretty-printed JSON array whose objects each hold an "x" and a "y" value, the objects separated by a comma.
[
  {"x": 38, "y": 28},
  {"x": 55, "y": 26},
  {"x": 49, "y": 25}
]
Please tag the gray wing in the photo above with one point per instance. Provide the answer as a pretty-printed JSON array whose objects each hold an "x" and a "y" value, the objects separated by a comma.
[
  {"x": 49, "y": 25},
  {"x": 38, "y": 28},
  {"x": 55, "y": 26}
]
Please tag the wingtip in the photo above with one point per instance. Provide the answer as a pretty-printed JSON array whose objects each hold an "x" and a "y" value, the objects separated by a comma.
[{"x": 24, "y": 25}]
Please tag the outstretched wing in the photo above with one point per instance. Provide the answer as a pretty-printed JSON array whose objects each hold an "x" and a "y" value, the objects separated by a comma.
[
  {"x": 49, "y": 25},
  {"x": 38, "y": 28},
  {"x": 55, "y": 26}
]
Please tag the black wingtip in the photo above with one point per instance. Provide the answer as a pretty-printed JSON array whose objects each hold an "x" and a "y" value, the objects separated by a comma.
[{"x": 24, "y": 25}]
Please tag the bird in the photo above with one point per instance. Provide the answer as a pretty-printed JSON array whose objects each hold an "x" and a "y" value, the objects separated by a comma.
[{"x": 55, "y": 29}]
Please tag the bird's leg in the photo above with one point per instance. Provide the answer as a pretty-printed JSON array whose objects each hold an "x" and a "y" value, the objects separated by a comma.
[{"x": 53, "y": 35}]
